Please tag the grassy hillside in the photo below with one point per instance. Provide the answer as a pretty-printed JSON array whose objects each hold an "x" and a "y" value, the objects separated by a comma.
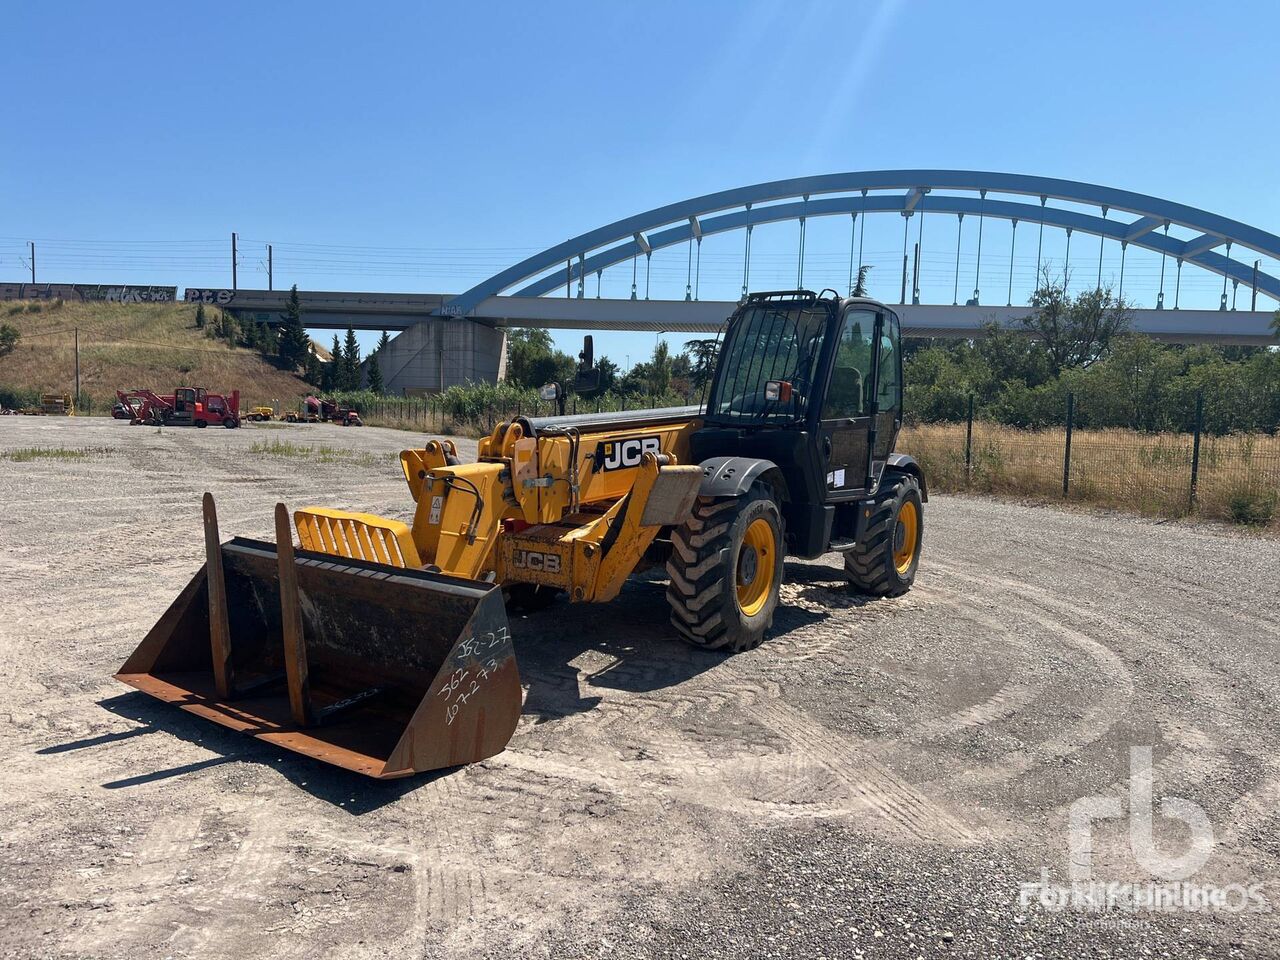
[{"x": 123, "y": 346}]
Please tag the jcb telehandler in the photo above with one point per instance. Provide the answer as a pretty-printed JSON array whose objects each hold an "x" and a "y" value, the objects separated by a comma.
[{"x": 384, "y": 647}]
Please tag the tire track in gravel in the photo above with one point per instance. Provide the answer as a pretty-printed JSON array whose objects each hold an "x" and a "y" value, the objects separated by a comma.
[{"x": 1196, "y": 757}]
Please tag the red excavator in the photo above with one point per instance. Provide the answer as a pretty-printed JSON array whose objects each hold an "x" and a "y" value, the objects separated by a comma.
[{"x": 186, "y": 407}]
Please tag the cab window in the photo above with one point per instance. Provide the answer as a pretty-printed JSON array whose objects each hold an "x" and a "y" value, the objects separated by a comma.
[
  {"x": 890, "y": 366},
  {"x": 847, "y": 394}
]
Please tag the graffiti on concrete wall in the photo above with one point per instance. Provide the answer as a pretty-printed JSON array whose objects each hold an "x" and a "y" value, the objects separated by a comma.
[
  {"x": 219, "y": 297},
  {"x": 88, "y": 292}
]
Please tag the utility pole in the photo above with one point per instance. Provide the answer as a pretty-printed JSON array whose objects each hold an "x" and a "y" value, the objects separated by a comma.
[
  {"x": 269, "y": 278},
  {"x": 233, "y": 261},
  {"x": 33, "y": 260},
  {"x": 77, "y": 399}
]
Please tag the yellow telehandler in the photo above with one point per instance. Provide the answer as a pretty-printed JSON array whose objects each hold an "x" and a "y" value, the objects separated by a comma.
[{"x": 384, "y": 647}]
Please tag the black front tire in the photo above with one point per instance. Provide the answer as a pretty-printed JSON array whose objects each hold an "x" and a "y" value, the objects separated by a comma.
[
  {"x": 707, "y": 569},
  {"x": 880, "y": 564}
]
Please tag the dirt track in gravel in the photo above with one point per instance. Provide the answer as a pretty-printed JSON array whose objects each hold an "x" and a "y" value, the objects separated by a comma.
[{"x": 878, "y": 777}]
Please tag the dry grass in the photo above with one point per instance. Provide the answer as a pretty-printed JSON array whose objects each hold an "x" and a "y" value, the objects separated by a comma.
[
  {"x": 28, "y": 454},
  {"x": 1239, "y": 478},
  {"x": 123, "y": 346},
  {"x": 288, "y": 450}
]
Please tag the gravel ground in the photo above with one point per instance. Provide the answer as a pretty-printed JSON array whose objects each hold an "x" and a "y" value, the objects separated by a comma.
[{"x": 876, "y": 780}]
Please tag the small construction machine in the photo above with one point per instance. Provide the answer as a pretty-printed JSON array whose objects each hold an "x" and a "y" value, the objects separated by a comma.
[
  {"x": 384, "y": 647},
  {"x": 185, "y": 407},
  {"x": 260, "y": 413}
]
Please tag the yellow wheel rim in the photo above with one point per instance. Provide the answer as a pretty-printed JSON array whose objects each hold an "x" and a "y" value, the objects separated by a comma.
[
  {"x": 755, "y": 568},
  {"x": 906, "y": 536}
]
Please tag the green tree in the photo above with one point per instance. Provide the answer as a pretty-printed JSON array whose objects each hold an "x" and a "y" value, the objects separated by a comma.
[
  {"x": 382, "y": 341},
  {"x": 200, "y": 317},
  {"x": 374, "y": 373},
  {"x": 312, "y": 369},
  {"x": 332, "y": 379},
  {"x": 659, "y": 374},
  {"x": 1275, "y": 325},
  {"x": 228, "y": 328},
  {"x": 1075, "y": 331},
  {"x": 294, "y": 342},
  {"x": 860, "y": 285},
  {"x": 268, "y": 340},
  {"x": 702, "y": 359},
  {"x": 9, "y": 337},
  {"x": 350, "y": 362},
  {"x": 608, "y": 373}
]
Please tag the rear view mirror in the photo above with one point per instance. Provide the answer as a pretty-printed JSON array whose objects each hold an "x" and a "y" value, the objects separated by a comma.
[
  {"x": 549, "y": 391},
  {"x": 586, "y": 382}
]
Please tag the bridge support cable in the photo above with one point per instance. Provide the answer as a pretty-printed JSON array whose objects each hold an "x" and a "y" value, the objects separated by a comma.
[
  {"x": 1163, "y": 257},
  {"x": 1177, "y": 287},
  {"x": 1124, "y": 246},
  {"x": 955, "y": 287},
  {"x": 906, "y": 225},
  {"x": 1102, "y": 240},
  {"x": 853, "y": 239},
  {"x": 1013, "y": 242},
  {"x": 1040, "y": 246},
  {"x": 598, "y": 275},
  {"x": 862, "y": 235},
  {"x": 582, "y": 275},
  {"x": 1223, "y": 302},
  {"x": 648, "y": 264},
  {"x": 688, "y": 272},
  {"x": 635, "y": 259},
  {"x": 915, "y": 282},
  {"x": 800, "y": 259},
  {"x": 1066, "y": 264},
  {"x": 697, "y": 272},
  {"x": 977, "y": 270},
  {"x": 746, "y": 255}
]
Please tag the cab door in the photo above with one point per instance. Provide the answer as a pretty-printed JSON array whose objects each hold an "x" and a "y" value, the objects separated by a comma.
[
  {"x": 846, "y": 416},
  {"x": 888, "y": 388}
]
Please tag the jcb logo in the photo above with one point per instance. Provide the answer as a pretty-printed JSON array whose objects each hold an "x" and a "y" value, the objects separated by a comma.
[
  {"x": 620, "y": 454},
  {"x": 532, "y": 560}
]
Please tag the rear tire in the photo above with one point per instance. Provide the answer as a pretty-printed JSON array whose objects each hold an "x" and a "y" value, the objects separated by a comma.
[
  {"x": 726, "y": 568},
  {"x": 884, "y": 562}
]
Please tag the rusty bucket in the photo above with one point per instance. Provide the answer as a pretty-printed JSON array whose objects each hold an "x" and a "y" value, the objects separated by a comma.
[{"x": 382, "y": 670}]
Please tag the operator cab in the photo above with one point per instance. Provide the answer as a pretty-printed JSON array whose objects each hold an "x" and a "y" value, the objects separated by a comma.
[{"x": 813, "y": 383}]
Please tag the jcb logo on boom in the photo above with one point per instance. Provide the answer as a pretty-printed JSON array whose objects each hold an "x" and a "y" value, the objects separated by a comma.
[
  {"x": 532, "y": 560},
  {"x": 620, "y": 454}
]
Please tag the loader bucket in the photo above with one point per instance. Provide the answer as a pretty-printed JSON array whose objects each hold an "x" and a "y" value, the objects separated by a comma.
[{"x": 382, "y": 670}]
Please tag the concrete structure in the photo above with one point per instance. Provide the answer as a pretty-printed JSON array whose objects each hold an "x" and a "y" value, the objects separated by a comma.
[
  {"x": 398, "y": 311},
  {"x": 439, "y": 353}
]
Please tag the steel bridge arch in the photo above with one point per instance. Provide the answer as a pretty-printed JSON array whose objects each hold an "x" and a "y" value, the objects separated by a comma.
[{"x": 805, "y": 197}]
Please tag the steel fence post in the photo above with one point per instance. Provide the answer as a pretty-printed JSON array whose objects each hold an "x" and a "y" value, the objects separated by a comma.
[
  {"x": 968, "y": 444},
  {"x": 1066, "y": 454},
  {"x": 1195, "y": 450}
]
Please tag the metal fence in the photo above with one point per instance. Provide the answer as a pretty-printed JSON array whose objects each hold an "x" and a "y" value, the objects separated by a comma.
[{"x": 1234, "y": 477}]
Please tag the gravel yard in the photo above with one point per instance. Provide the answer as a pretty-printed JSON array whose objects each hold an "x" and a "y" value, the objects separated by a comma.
[{"x": 878, "y": 779}]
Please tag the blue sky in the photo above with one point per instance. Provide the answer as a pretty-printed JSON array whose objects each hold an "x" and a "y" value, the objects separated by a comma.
[{"x": 403, "y": 146}]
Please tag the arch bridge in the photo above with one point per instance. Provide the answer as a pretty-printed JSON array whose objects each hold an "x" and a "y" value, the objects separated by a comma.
[{"x": 519, "y": 295}]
